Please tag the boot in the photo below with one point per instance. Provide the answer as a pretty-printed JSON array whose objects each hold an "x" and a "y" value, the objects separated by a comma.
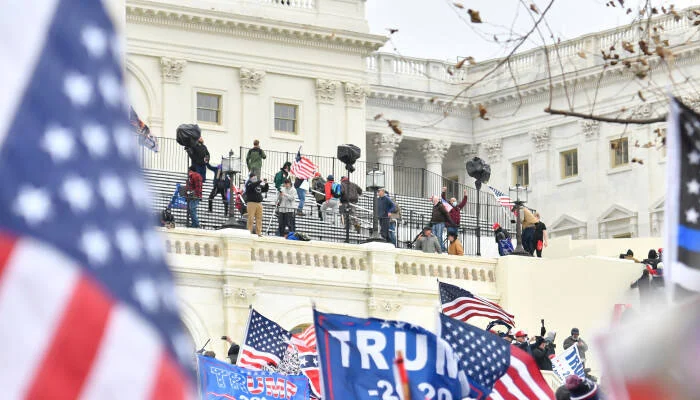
[
  {"x": 300, "y": 213},
  {"x": 210, "y": 206}
]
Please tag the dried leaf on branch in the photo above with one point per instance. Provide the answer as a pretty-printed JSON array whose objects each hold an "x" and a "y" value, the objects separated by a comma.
[
  {"x": 394, "y": 125},
  {"x": 378, "y": 116},
  {"x": 474, "y": 16},
  {"x": 482, "y": 112},
  {"x": 648, "y": 145},
  {"x": 534, "y": 8},
  {"x": 644, "y": 47},
  {"x": 641, "y": 96},
  {"x": 628, "y": 46},
  {"x": 664, "y": 53},
  {"x": 459, "y": 5},
  {"x": 638, "y": 161},
  {"x": 581, "y": 54},
  {"x": 392, "y": 30}
]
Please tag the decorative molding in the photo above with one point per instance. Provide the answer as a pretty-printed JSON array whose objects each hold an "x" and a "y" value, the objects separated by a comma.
[
  {"x": 386, "y": 144},
  {"x": 171, "y": 69},
  {"x": 253, "y": 28},
  {"x": 692, "y": 102},
  {"x": 540, "y": 137},
  {"x": 325, "y": 90},
  {"x": 384, "y": 305},
  {"x": 590, "y": 128},
  {"x": 421, "y": 104},
  {"x": 238, "y": 294},
  {"x": 251, "y": 80},
  {"x": 434, "y": 150},
  {"x": 469, "y": 151},
  {"x": 493, "y": 150},
  {"x": 355, "y": 94},
  {"x": 643, "y": 111}
]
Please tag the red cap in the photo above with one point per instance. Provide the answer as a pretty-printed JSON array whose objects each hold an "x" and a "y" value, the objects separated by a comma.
[
  {"x": 495, "y": 226},
  {"x": 520, "y": 334}
]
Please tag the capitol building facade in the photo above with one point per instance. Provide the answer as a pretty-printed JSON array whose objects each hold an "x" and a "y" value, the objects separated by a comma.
[{"x": 307, "y": 73}]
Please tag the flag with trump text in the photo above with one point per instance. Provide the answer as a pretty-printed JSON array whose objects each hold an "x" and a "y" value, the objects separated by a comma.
[
  {"x": 220, "y": 380},
  {"x": 302, "y": 167},
  {"x": 496, "y": 370},
  {"x": 682, "y": 214},
  {"x": 463, "y": 305},
  {"x": 357, "y": 357},
  {"x": 87, "y": 304},
  {"x": 265, "y": 343}
]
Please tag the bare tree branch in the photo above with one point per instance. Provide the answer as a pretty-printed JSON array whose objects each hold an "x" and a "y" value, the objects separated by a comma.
[{"x": 600, "y": 118}]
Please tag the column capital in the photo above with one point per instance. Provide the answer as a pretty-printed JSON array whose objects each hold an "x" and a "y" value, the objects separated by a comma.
[
  {"x": 469, "y": 151},
  {"x": 493, "y": 150},
  {"x": 386, "y": 144},
  {"x": 325, "y": 90},
  {"x": 171, "y": 69},
  {"x": 251, "y": 80},
  {"x": 540, "y": 137},
  {"x": 355, "y": 94},
  {"x": 434, "y": 150}
]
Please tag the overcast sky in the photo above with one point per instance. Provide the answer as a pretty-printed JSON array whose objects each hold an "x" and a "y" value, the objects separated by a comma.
[{"x": 434, "y": 29}]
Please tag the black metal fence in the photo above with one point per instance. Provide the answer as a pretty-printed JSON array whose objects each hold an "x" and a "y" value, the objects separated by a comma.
[{"x": 408, "y": 187}]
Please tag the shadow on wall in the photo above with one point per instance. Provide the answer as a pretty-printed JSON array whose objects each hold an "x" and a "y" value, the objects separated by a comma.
[{"x": 567, "y": 247}]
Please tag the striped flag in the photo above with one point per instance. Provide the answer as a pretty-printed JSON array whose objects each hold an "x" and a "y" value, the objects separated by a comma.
[
  {"x": 302, "y": 168},
  {"x": 87, "y": 304},
  {"x": 496, "y": 370},
  {"x": 682, "y": 252},
  {"x": 463, "y": 305},
  {"x": 502, "y": 198},
  {"x": 265, "y": 343},
  {"x": 307, "y": 338},
  {"x": 305, "y": 344},
  {"x": 143, "y": 131}
]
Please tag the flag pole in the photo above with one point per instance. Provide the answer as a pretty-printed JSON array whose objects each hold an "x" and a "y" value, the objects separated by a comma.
[
  {"x": 247, "y": 326},
  {"x": 402, "y": 385}
]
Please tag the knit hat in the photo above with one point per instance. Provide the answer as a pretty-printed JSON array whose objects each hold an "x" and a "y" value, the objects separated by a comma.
[
  {"x": 317, "y": 174},
  {"x": 495, "y": 226},
  {"x": 343, "y": 178},
  {"x": 329, "y": 177},
  {"x": 581, "y": 389},
  {"x": 574, "y": 331}
]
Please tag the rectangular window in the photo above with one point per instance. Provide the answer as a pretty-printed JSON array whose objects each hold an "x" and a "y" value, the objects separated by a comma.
[
  {"x": 619, "y": 152},
  {"x": 569, "y": 163},
  {"x": 208, "y": 108},
  {"x": 521, "y": 173},
  {"x": 286, "y": 117}
]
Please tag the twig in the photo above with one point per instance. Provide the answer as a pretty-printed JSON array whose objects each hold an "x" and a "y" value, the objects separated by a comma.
[{"x": 600, "y": 118}]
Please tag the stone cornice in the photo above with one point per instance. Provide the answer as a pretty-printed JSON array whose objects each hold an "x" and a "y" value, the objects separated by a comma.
[
  {"x": 417, "y": 103},
  {"x": 193, "y": 19}
]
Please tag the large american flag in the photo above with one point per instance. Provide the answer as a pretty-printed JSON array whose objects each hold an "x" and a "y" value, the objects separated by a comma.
[
  {"x": 496, "y": 370},
  {"x": 265, "y": 342},
  {"x": 305, "y": 344},
  {"x": 463, "y": 305},
  {"x": 502, "y": 198},
  {"x": 302, "y": 167},
  {"x": 682, "y": 251},
  {"x": 87, "y": 303}
]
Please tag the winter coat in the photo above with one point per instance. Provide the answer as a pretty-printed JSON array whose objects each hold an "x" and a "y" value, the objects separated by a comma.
[
  {"x": 455, "y": 248},
  {"x": 440, "y": 215},
  {"x": 319, "y": 185},
  {"x": 254, "y": 158},
  {"x": 524, "y": 346},
  {"x": 428, "y": 245},
  {"x": 582, "y": 346},
  {"x": 385, "y": 206},
  {"x": 456, "y": 211},
  {"x": 194, "y": 184},
  {"x": 327, "y": 190},
  {"x": 199, "y": 154},
  {"x": 253, "y": 191},
  {"x": 350, "y": 192},
  {"x": 287, "y": 198},
  {"x": 221, "y": 181},
  {"x": 280, "y": 176},
  {"x": 540, "y": 356},
  {"x": 501, "y": 234}
]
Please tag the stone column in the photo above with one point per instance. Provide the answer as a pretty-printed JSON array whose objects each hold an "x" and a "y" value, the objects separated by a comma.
[
  {"x": 327, "y": 125},
  {"x": 386, "y": 145},
  {"x": 355, "y": 114},
  {"x": 171, "y": 71},
  {"x": 434, "y": 151},
  {"x": 251, "y": 80}
]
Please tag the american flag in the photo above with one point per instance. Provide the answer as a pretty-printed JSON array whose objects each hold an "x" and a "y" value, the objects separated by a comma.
[
  {"x": 265, "y": 342},
  {"x": 143, "y": 131},
  {"x": 303, "y": 168},
  {"x": 496, "y": 370},
  {"x": 462, "y": 305},
  {"x": 305, "y": 344},
  {"x": 87, "y": 304},
  {"x": 502, "y": 198},
  {"x": 682, "y": 252}
]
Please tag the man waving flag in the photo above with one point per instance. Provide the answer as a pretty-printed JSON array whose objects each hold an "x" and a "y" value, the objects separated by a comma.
[
  {"x": 303, "y": 167},
  {"x": 87, "y": 303}
]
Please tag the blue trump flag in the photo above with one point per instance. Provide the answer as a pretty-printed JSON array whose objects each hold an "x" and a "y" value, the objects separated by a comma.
[
  {"x": 219, "y": 380},
  {"x": 356, "y": 356}
]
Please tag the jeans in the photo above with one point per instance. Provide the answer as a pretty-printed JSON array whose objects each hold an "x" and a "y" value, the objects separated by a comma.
[
  {"x": 438, "y": 231},
  {"x": 301, "y": 194},
  {"x": 192, "y": 207},
  {"x": 528, "y": 238},
  {"x": 285, "y": 220},
  {"x": 384, "y": 228},
  {"x": 392, "y": 232}
]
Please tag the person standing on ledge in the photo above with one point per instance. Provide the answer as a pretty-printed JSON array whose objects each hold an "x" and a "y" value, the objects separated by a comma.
[
  {"x": 254, "y": 159},
  {"x": 253, "y": 193},
  {"x": 456, "y": 211}
]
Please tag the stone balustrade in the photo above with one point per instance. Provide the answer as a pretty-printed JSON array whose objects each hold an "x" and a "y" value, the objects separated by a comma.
[{"x": 441, "y": 77}]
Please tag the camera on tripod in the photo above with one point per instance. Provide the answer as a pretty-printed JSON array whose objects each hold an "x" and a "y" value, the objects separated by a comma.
[{"x": 349, "y": 153}]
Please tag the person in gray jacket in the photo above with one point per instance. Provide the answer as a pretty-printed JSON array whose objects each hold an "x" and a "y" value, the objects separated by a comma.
[
  {"x": 286, "y": 208},
  {"x": 428, "y": 243}
]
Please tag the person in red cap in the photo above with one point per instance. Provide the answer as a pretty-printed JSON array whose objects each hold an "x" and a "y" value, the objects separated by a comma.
[
  {"x": 521, "y": 342},
  {"x": 505, "y": 246}
]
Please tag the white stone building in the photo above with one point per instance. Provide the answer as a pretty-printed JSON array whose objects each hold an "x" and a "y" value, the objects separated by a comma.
[{"x": 305, "y": 72}]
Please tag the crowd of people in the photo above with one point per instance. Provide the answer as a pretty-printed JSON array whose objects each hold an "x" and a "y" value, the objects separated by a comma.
[
  {"x": 337, "y": 201},
  {"x": 651, "y": 283}
]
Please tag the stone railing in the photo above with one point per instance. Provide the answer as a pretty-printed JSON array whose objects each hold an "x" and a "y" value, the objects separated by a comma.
[
  {"x": 441, "y": 77},
  {"x": 238, "y": 250}
]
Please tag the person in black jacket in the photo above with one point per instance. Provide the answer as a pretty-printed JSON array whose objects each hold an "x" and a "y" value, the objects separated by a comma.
[
  {"x": 199, "y": 154},
  {"x": 222, "y": 182},
  {"x": 439, "y": 217},
  {"x": 521, "y": 342},
  {"x": 253, "y": 193},
  {"x": 349, "y": 194},
  {"x": 539, "y": 353},
  {"x": 644, "y": 286},
  {"x": 233, "y": 350}
]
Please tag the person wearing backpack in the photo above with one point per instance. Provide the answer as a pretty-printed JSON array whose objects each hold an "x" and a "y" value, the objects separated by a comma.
[
  {"x": 350, "y": 194},
  {"x": 254, "y": 158},
  {"x": 318, "y": 187},
  {"x": 282, "y": 174},
  {"x": 332, "y": 191}
]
